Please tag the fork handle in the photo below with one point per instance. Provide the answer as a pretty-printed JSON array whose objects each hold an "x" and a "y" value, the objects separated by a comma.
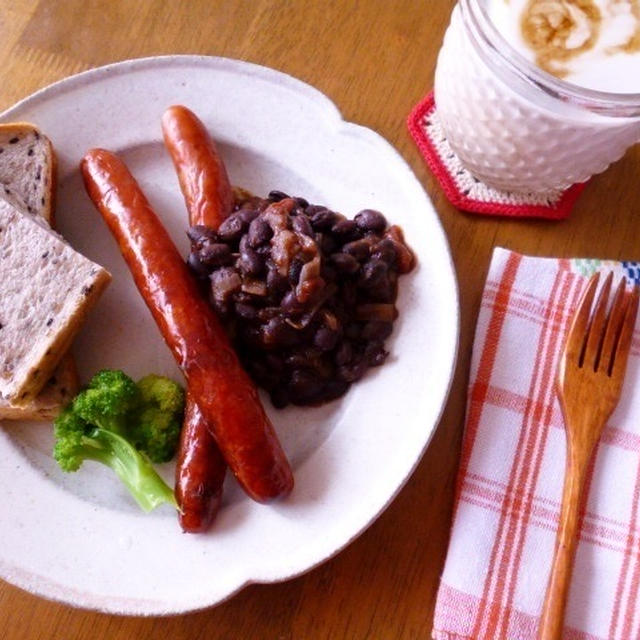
[{"x": 552, "y": 619}]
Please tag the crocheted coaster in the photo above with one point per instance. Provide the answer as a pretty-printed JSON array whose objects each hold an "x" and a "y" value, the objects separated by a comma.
[{"x": 464, "y": 190}]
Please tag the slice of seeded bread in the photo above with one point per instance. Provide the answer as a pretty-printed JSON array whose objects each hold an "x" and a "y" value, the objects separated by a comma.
[
  {"x": 46, "y": 290},
  {"x": 25, "y": 154},
  {"x": 28, "y": 169}
]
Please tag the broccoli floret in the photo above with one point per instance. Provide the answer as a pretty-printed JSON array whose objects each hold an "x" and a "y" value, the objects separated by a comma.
[
  {"x": 164, "y": 393},
  {"x": 96, "y": 426},
  {"x": 158, "y": 420},
  {"x": 69, "y": 430},
  {"x": 109, "y": 397}
]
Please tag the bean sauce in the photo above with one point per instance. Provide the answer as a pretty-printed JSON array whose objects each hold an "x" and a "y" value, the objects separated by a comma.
[{"x": 307, "y": 295}]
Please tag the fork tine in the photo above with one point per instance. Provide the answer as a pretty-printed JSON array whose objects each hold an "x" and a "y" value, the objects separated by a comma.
[
  {"x": 596, "y": 327},
  {"x": 619, "y": 365},
  {"x": 614, "y": 323},
  {"x": 579, "y": 324}
]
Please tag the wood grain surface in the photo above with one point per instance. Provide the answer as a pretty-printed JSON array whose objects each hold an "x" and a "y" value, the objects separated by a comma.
[{"x": 375, "y": 60}]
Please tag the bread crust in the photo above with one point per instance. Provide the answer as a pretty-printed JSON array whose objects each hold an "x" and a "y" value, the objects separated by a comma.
[{"x": 55, "y": 395}]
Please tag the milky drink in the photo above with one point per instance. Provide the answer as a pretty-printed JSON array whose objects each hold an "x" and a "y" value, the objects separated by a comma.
[
  {"x": 591, "y": 43},
  {"x": 515, "y": 84}
]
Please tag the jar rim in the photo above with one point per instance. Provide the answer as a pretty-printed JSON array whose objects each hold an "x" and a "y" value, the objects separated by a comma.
[{"x": 510, "y": 60}]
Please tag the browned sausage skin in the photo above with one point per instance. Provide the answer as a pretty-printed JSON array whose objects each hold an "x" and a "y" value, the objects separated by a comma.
[
  {"x": 226, "y": 396},
  {"x": 200, "y": 472},
  {"x": 203, "y": 177},
  {"x": 207, "y": 192}
]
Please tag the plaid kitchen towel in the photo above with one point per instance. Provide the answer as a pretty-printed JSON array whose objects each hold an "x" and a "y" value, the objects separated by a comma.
[{"x": 512, "y": 466}]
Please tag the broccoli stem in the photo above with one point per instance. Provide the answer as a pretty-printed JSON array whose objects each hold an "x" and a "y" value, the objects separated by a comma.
[{"x": 133, "y": 468}]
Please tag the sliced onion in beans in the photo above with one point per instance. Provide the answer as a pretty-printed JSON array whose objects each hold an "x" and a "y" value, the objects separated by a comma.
[
  {"x": 405, "y": 258},
  {"x": 223, "y": 283},
  {"x": 254, "y": 287}
]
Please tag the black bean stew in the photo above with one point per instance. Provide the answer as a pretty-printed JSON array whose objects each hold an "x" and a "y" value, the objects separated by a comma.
[{"x": 307, "y": 295}]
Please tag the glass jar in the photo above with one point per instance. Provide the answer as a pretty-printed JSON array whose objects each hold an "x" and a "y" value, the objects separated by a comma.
[{"x": 516, "y": 127}]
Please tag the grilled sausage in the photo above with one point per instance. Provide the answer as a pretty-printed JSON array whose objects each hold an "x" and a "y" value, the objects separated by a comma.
[
  {"x": 203, "y": 177},
  {"x": 226, "y": 396},
  {"x": 200, "y": 472},
  {"x": 207, "y": 192}
]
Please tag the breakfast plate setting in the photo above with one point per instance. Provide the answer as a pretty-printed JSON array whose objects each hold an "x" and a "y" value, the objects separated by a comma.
[
  {"x": 79, "y": 537},
  {"x": 232, "y": 314}
]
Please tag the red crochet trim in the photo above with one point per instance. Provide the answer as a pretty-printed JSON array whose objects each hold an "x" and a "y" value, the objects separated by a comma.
[{"x": 559, "y": 211}]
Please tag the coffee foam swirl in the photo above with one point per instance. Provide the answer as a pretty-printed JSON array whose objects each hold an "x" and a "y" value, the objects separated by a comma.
[{"x": 558, "y": 31}]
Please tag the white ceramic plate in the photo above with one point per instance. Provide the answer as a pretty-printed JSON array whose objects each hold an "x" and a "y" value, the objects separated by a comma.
[{"x": 79, "y": 538}]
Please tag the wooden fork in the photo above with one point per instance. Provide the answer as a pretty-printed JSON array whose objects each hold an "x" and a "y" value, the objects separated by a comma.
[{"x": 590, "y": 375}]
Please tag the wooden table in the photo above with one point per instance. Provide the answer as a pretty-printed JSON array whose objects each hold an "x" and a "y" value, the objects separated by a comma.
[{"x": 375, "y": 60}]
